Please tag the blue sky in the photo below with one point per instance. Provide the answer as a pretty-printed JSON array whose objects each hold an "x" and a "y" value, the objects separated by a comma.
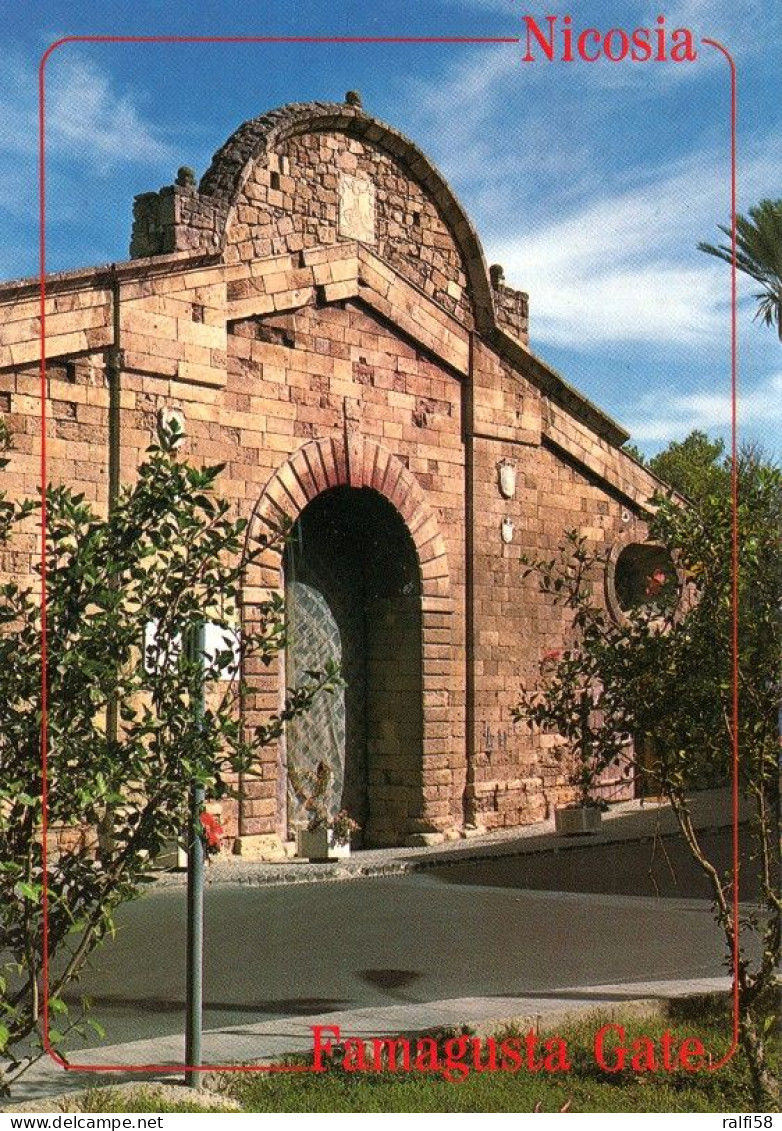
[{"x": 591, "y": 184}]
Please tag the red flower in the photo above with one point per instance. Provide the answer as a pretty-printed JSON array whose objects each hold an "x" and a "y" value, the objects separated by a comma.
[
  {"x": 213, "y": 830},
  {"x": 554, "y": 654},
  {"x": 655, "y": 583}
]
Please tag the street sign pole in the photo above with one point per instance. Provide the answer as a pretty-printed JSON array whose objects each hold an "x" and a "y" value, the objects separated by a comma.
[{"x": 195, "y": 893}]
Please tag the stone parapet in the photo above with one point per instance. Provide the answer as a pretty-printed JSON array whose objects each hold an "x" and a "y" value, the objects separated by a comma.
[
  {"x": 511, "y": 307},
  {"x": 176, "y": 218}
]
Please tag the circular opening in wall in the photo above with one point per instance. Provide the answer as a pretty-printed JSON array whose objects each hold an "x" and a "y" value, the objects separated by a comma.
[{"x": 642, "y": 575}]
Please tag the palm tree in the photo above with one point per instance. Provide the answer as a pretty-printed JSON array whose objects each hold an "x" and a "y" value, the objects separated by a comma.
[{"x": 759, "y": 254}]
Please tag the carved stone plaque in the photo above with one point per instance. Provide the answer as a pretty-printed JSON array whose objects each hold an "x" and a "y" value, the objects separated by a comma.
[
  {"x": 507, "y": 470},
  {"x": 356, "y": 208}
]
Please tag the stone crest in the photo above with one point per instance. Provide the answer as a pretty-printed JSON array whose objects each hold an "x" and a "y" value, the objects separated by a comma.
[
  {"x": 356, "y": 208},
  {"x": 172, "y": 420},
  {"x": 507, "y": 473}
]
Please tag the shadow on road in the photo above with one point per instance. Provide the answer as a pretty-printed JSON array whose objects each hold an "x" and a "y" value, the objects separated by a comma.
[
  {"x": 658, "y": 867},
  {"x": 296, "y": 1006}
]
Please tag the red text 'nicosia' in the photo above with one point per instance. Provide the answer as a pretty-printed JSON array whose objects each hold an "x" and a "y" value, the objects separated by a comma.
[{"x": 556, "y": 39}]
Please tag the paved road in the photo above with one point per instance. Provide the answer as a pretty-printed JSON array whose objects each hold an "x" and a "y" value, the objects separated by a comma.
[{"x": 274, "y": 952}]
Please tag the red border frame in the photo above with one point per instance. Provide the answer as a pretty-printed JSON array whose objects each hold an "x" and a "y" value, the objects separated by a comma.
[
  {"x": 179, "y": 1068},
  {"x": 734, "y": 538}
]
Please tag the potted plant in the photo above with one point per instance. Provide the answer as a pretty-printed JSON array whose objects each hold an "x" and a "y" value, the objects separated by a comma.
[
  {"x": 329, "y": 840},
  {"x": 579, "y": 818},
  {"x": 585, "y": 814},
  {"x": 325, "y": 837}
]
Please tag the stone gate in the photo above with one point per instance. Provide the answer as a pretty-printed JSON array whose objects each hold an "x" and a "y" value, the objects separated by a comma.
[{"x": 318, "y": 310}]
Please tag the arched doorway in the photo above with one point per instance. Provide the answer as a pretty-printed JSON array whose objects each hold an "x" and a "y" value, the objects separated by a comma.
[{"x": 353, "y": 594}]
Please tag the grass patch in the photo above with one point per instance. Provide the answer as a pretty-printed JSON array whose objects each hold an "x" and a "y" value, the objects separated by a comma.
[{"x": 585, "y": 1087}]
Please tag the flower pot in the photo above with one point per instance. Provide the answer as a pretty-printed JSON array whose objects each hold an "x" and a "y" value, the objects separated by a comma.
[
  {"x": 578, "y": 820},
  {"x": 320, "y": 844}
]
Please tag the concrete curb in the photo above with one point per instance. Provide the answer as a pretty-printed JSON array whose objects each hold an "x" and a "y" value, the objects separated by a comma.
[{"x": 302, "y": 872}]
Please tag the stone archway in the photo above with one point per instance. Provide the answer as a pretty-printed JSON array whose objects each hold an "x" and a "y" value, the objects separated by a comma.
[
  {"x": 426, "y": 803},
  {"x": 353, "y": 595}
]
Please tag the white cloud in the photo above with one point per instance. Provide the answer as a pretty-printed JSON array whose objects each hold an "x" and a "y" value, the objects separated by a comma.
[
  {"x": 96, "y": 131},
  {"x": 484, "y": 125},
  {"x": 623, "y": 267},
  {"x": 658, "y": 418},
  {"x": 736, "y": 26},
  {"x": 85, "y": 113},
  {"x": 658, "y": 303},
  {"x": 606, "y": 252},
  {"x": 86, "y": 116},
  {"x": 518, "y": 142},
  {"x": 457, "y": 113}
]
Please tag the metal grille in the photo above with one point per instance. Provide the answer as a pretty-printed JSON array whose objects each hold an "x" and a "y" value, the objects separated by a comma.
[{"x": 325, "y": 610}]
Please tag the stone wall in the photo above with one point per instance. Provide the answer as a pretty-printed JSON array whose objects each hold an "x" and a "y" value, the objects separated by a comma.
[
  {"x": 520, "y": 775},
  {"x": 317, "y": 190}
]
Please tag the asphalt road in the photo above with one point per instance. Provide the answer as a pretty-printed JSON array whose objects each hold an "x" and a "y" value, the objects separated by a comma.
[{"x": 460, "y": 930}]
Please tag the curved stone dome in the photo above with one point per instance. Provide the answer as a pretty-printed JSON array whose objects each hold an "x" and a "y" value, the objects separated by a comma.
[{"x": 254, "y": 141}]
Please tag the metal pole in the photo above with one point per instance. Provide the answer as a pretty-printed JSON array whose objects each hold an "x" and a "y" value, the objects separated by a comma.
[
  {"x": 114, "y": 360},
  {"x": 195, "y": 894},
  {"x": 113, "y": 379}
]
